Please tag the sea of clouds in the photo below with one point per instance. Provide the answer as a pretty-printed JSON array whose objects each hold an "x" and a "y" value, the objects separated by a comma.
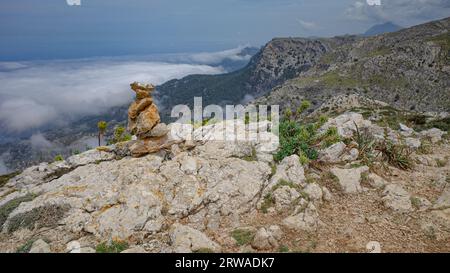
[{"x": 45, "y": 93}]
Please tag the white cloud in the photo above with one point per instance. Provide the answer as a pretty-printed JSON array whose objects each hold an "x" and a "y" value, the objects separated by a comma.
[
  {"x": 38, "y": 141},
  {"x": 214, "y": 58},
  {"x": 406, "y": 12},
  {"x": 307, "y": 25},
  {"x": 35, "y": 94}
]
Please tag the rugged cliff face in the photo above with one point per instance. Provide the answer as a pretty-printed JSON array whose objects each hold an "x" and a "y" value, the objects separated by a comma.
[
  {"x": 409, "y": 69},
  {"x": 281, "y": 59}
]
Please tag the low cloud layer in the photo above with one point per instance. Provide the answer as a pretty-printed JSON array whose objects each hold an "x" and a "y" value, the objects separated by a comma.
[
  {"x": 405, "y": 12},
  {"x": 36, "y": 94}
]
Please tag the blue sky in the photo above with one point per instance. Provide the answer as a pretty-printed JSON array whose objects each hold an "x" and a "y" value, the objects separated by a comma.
[{"x": 47, "y": 29}]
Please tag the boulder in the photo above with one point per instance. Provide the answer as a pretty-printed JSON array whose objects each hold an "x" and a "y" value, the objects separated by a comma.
[
  {"x": 266, "y": 239},
  {"x": 307, "y": 219},
  {"x": 397, "y": 198},
  {"x": 290, "y": 170},
  {"x": 185, "y": 239},
  {"x": 349, "y": 179}
]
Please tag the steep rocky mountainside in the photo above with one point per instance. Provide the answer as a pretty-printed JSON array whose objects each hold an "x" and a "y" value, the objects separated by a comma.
[
  {"x": 279, "y": 60},
  {"x": 409, "y": 69},
  {"x": 370, "y": 189}
]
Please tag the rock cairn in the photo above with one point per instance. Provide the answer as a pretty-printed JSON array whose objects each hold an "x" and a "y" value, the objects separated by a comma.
[{"x": 145, "y": 123}]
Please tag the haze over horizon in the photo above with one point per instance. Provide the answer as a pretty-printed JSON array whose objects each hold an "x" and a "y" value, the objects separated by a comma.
[{"x": 51, "y": 29}]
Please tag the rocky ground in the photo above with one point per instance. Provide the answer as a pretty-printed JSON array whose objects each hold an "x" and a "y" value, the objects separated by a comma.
[{"x": 215, "y": 196}]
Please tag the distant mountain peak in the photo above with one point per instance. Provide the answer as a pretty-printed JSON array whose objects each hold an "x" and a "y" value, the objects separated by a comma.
[{"x": 382, "y": 28}]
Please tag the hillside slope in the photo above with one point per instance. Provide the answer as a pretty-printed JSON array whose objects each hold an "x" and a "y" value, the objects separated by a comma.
[{"x": 409, "y": 69}]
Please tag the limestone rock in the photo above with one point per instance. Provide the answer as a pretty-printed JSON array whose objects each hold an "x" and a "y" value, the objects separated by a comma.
[
  {"x": 40, "y": 174},
  {"x": 159, "y": 130},
  {"x": 412, "y": 143},
  {"x": 291, "y": 170},
  {"x": 349, "y": 179},
  {"x": 376, "y": 181},
  {"x": 40, "y": 246},
  {"x": 147, "y": 120},
  {"x": 351, "y": 155},
  {"x": 345, "y": 124},
  {"x": 266, "y": 239},
  {"x": 434, "y": 134},
  {"x": 307, "y": 219},
  {"x": 185, "y": 239},
  {"x": 143, "y": 147},
  {"x": 397, "y": 199},
  {"x": 405, "y": 130},
  {"x": 284, "y": 197},
  {"x": 443, "y": 201},
  {"x": 333, "y": 153},
  {"x": 314, "y": 192},
  {"x": 90, "y": 157}
]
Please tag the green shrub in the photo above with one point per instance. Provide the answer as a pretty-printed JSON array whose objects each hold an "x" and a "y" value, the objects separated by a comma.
[
  {"x": 243, "y": 236},
  {"x": 113, "y": 247},
  {"x": 396, "y": 155},
  {"x": 58, "y": 158},
  {"x": 330, "y": 137},
  {"x": 425, "y": 147},
  {"x": 415, "y": 202},
  {"x": 305, "y": 105},
  {"x": 25, "y": 248},
  {"x": 45, "y": 216},
  {"x": 267, "y": 203},
  {"x": 120, "y": 135},
  {"x": 296, "y": 139},
  {"x": 283, "y": 249},
  {"x": 366, "y": 145},
  {"x": 7, "y": 208}
]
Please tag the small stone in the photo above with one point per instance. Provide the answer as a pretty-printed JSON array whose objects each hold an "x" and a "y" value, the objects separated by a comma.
[
  {"x": 314, "y": 192},
  {"x": 40, "y": 246},
  {"x": 376, "y": 181},
  {"x": 405, "y": 130},
  {"x": 159, "y": 130},
  {"x": 332, "y": 154}
]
